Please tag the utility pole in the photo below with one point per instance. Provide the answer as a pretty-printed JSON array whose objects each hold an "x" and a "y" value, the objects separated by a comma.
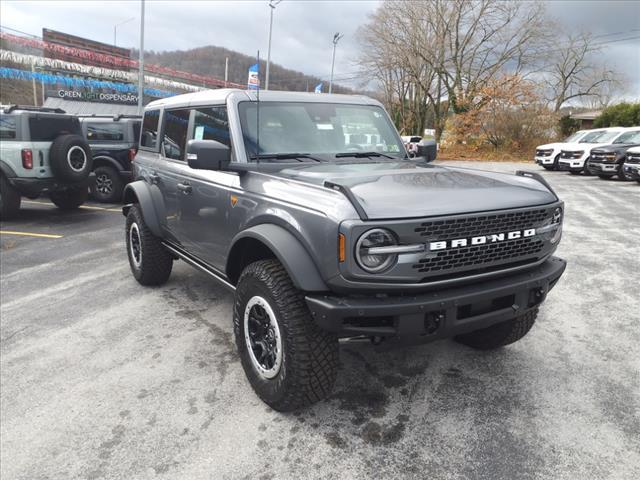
[
  {"x": 272, "y": 5},
  {"x": 141, "y": 61},
  {"x": 115, "y": 27},
  {"x": 336, "y": 37},
  {"x": 226, "y": 71}
]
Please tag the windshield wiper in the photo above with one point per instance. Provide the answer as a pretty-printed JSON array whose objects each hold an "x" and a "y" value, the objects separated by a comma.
[
  {"x": 284, "y": 156},
  {"x": 359, "y": 154}
]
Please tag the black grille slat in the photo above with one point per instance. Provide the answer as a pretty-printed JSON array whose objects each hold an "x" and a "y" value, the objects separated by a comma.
[{"x": 475, "y": 257}]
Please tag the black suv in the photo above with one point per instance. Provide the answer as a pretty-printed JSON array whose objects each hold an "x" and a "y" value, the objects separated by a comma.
[
  {"x": 114, "y": 143},
  {"x": 42, "y": 150}
]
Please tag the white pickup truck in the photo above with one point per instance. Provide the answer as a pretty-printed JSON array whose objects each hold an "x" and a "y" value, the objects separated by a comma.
[
  {"x": 547, "y": 156},
  {"x": 574, "y": 156}
]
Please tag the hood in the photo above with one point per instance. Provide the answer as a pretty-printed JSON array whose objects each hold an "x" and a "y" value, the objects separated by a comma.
[
  {"x": 616, "y": 147},
  {"x": 407, "y": 189},
  {"x": 582, "y": 147},
  {"x": 634, "y": 150},
  {"x": 550, "y": 146}
]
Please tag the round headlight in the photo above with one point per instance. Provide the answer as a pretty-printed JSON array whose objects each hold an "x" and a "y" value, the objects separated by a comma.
[{"x": 375, "y": 262}]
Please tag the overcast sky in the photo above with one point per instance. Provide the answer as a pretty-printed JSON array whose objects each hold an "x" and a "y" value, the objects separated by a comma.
[{"x": 302, "y": 31}]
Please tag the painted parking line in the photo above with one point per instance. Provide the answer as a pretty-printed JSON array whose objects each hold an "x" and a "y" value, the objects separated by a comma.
[
  {"x": 87, "y": 207},
  {"x": 30, "y": 234}
]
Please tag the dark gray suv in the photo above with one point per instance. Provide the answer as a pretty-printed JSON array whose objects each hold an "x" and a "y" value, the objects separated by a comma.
[{"x": 322, "y": 238}]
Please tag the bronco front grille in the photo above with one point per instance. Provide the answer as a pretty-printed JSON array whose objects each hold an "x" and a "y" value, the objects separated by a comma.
[{"x": 479, "y": 257}]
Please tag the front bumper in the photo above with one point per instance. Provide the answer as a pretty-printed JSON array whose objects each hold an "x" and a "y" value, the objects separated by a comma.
[
  {"x": 544, "y": 160},
  {"x": 571, "y": 165},
  {"x": 32, "y": 187},
  {"x": 602, "y": 168},
  {"x": 440, "y": 314},
  {"x": 633, "y": 170}
]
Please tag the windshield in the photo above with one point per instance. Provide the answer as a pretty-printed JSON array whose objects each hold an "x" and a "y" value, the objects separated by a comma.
[
  {"x": 629, "y": 137},
  {"x": 591, "y": 137},
  {"x": 606, "y": 137},
  {"x": 317, "y": 129},
  {"x": 574, "y": 137}
]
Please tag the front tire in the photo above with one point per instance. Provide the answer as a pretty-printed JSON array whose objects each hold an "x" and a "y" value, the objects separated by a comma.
[
  {"x": 288, "y": 360},
  {"x": 150, "y": 262},
  {"x": 622, "y": 175},
  {"x": 69, "y": 199},
  {"x": 500, "y": 334},
  {"x": 108, "y": 186},
  {"x": 9, "y": 199}
]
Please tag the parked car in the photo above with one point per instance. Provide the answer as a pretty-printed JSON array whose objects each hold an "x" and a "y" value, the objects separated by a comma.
[
  {"x": 114, "y": 143},
  {"x": 607, "y": 161},
  {"x": 411, "y": 144},
  {"x": 321, "y": 240},
  {"x": 548, "y": 155},
  {"x": 574, "y": 156},
  {"x": 42, "y": 151},
  {"x": 632, "y": 164}
]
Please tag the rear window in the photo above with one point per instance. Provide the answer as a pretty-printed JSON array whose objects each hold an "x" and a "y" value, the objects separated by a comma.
[
  {"x": 105, "y": 132},
  {"x": 149, "y": 138},
  {"x": 47, "y": 128},
  {"x": 7, "y": 127}
]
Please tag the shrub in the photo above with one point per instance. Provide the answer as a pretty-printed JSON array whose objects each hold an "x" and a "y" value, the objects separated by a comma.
[{"x": 620, "y": 115}]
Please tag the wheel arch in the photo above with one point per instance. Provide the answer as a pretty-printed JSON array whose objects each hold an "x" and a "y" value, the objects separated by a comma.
[
  {"x": 141, "y": 193},
  {"x": 105, "y": 161},
  {"x": 273, "y": 241}
]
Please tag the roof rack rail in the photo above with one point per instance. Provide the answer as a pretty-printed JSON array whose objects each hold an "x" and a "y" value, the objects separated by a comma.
[
  {"x": 32, "y": 108},
  {"x": 114, "y": 116}
]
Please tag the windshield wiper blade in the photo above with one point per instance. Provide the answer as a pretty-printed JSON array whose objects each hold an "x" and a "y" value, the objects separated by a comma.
[
  {"x": 359, "y": 154},
  {"x": 284, "y": 156}
]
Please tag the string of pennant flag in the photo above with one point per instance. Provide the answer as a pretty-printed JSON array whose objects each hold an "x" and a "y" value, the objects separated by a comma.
[
  {"x": 112, "y": 60},
  {"x": 56, "y": 79}
]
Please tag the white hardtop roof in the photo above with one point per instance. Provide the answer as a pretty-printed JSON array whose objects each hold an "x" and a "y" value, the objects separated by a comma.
[{"x": 220, "y": 96}]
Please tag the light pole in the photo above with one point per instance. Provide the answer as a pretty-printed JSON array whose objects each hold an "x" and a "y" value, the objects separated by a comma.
[
  {"x": 141, "y": 61},
  {"x": 117, "y": 25},
  {"x": 336, "y": 37},
  {"x": 272, "y": 5}
]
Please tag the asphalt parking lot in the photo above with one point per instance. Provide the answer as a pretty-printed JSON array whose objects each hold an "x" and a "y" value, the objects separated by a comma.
[{"x": 103, "y": 378}]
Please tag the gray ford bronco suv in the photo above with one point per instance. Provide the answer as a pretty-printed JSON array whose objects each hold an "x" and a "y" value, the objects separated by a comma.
[
  {"x": 42, "y": 150},
  {"x": 322, "y": 239}
]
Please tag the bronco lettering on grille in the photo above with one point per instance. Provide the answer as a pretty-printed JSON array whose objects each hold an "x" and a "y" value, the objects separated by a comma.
[{"x": 481, "y": 240}]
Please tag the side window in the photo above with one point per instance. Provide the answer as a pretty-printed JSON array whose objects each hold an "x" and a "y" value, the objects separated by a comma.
[
  {"x": 211, "y": 123},
  {"x": 7, "y": 127},
  {"x": 149, "y": 137},
  {"x": 105, "y": 132},
  {"x": 175, "y": 123}
]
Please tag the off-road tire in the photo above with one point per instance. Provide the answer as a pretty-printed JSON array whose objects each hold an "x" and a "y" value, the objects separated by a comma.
[
  {"x": 585, "y": 168},
  {"x": 500, "y": 334},
  {"x": 549, "y": 167},
  {"x": 69, "y": 199},
  {"x": 574, "y": 172},
  {"x": 108, "y": 186},
  {"x": 9, "y": 199},
  {"x": 606, "y": 177},
  {"x": 155, "y": 261},
  {"x": 70, "y": 158},
  {"x": 309, "y": 363}
]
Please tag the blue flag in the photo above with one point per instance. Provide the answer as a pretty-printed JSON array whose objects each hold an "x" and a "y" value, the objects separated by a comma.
[
  {"x": 318, "y": 88},
  {"x": 253, "y": 82}
]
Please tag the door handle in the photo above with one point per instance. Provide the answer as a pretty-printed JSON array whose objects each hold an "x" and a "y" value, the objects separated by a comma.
[
  {"x": 155, "y": 178},
  {"x": 185, "y": 188}
]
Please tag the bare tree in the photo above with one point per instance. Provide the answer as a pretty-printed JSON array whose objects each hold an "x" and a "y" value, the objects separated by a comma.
[{"x": 574, "y": 72}]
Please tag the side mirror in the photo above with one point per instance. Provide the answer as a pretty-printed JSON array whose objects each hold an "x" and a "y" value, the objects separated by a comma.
[{"x": 208, "y": 155}]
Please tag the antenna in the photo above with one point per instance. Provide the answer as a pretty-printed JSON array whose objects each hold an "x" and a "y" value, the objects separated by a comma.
[{"x": 258, "y": 117}]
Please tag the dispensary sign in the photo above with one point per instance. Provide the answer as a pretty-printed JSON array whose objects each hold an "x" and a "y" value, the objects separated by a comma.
[{"x": 101, "y": 97}]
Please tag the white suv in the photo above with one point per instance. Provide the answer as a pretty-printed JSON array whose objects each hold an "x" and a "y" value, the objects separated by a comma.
[
  {"x": 548, "y": 155},
  {"x": 574, "y": 156},
  {"x": 632, "y": 164}
]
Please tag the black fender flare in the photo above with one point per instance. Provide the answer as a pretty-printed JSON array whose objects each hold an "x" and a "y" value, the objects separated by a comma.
[
  {"x": 151, "y": 203},
  {"x": 289, "y": 251},
  {"x": 98, "y": 159},
  {"x": 6, "y": 170}
]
